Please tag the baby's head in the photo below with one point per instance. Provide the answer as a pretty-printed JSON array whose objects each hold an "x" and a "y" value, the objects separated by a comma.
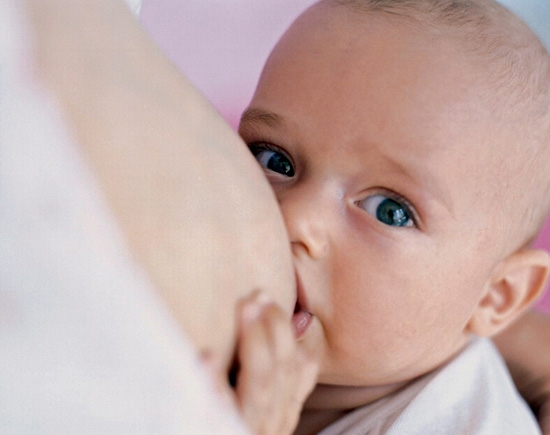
[{"x": 408, "y": 143}]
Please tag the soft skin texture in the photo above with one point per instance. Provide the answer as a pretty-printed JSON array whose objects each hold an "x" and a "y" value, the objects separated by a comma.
[
  {"x": 128, "y": 101},
  {"x": 368, "y": 107},
  {"x": 149, "y": 136},
  {"x": 197, "y": 213}
]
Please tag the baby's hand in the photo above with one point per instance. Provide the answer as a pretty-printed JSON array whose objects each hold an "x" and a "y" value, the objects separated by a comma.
[{"x": 275, "y": 376}]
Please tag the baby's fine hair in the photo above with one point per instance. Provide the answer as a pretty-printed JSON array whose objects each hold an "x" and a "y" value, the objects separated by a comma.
[{"x": 515, "y": 63}]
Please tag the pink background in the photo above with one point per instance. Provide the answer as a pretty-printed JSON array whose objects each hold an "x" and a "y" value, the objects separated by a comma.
[{"x": 221, "y": 46}]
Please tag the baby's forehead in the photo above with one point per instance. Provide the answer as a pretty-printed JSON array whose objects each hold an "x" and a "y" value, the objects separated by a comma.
[
  {"x": 510, "y": 64},
  {"x": 488, "y": 46}
]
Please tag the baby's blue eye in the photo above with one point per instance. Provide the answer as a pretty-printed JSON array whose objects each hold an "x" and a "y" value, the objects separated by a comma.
[
  {"x": 274, "y": 161},
  {"x": 388, "y": 211}
]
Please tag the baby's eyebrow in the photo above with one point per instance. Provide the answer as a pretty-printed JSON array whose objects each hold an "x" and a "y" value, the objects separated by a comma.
[{"x": 262, "y": 116}]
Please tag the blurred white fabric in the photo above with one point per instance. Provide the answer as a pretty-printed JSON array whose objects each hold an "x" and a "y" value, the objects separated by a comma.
[{"x": 85, "y": 345}]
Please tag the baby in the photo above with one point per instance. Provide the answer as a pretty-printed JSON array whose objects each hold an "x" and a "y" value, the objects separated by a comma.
[{"x": 408, "y": 143}]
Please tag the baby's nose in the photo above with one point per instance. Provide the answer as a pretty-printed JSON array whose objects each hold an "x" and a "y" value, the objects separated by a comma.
[{"x": 309, "y": 215}]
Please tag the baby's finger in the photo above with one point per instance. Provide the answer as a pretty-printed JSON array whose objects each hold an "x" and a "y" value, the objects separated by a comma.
[
  {"x": 297, "y": 371},
  {"x": 275, "y": 376},
  {"x": 256, "y": 349}
]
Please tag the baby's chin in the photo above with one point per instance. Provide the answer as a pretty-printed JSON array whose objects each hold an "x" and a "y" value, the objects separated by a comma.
[{"x": 340, "y": 387}]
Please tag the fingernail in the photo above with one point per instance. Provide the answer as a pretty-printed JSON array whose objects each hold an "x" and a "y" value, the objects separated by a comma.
[
  {"x": 252, "y": 308},
  {"x": 251, "y": 312},
  {"x": 261, "y": 298}
]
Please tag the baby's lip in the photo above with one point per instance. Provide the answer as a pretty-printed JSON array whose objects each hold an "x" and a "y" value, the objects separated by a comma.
[{"x": 301, "y": 318}]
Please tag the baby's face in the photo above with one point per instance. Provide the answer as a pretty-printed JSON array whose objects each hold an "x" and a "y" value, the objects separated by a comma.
[{"x": 381, "y": 157}]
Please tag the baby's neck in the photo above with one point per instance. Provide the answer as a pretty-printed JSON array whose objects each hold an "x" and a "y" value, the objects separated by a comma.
[{"x": 328, "y": 403}]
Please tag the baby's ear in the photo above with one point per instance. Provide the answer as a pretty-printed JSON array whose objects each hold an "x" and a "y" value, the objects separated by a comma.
[{"x": 514, "y": 285}]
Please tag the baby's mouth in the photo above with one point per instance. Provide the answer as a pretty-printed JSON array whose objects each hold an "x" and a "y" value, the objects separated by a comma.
[{"x": 301, "y": 318}]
